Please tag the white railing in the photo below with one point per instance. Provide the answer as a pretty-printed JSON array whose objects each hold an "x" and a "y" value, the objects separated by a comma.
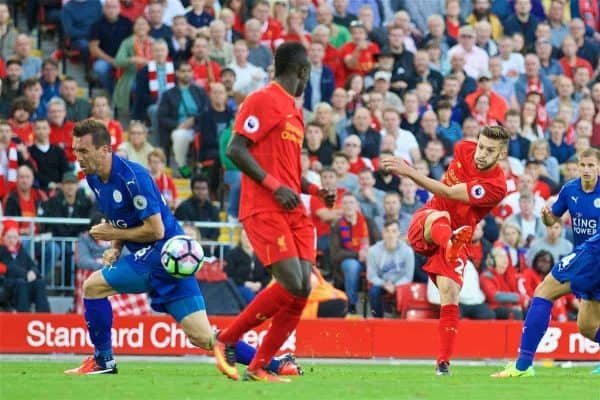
[{"x": 55, "y": 255}]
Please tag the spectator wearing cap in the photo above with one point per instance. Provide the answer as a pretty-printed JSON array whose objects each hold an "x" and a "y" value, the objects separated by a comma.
[
  {"x": 359, "y": 54},
  {"x": 260, "y": 54},
  {"x": 522, "y": 21},
  {"x": 549, "y": 65},
  {"x": 498, "y": 105},
  {"x": 77, "y": 18},
  {"x": 61, "y": 130},
  {"x": 564, "y": 87},
  {"x": 155, "y": 78},
  {"x": 219, "y": 50},
  {"x": 49, "y": 160},
  {"x": 482, "y": 12},
  {"x": 341, "y": 15},
  {"x": 331, "y": 57},
  {"x": 555, "y": 17},
  {"x": 23, "y": 280},
  {"x": 382, "y": 84},
  {"x": 78, "y": 108},
  {"x": 106, "y": 36},
  {"x": 339, "y": 34},
  {"x": 321, "y": 83},
  {"x": 248, "y": 77},
  {"x": 32, "y": 65},
  {"x": 533, "y": 80},
  {"x": 501, "y": 84},
  {"x": 50, "y": 81},
  {"x": 423, "y": 73},
  {"x": 476, "y": 59}
]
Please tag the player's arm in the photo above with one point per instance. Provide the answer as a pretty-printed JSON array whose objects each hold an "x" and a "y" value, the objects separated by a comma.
[
  {"x": 238, "y": 152},
  {"x": 151, "y": 230},
  {"x": 548, "y": 216},
  {"x": 398, "y": 166}
]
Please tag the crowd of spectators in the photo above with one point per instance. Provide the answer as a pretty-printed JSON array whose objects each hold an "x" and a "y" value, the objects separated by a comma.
[{"x": 406, "y": 78}]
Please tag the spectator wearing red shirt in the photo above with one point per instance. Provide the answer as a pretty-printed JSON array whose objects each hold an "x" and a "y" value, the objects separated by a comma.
[
  {"x": 498, "y": 105},
  {"x": 271, "y": 28},
  {"x": 157, "y": 161},
  {"x": 24, "y": 200},
  {"x": 499, "y": 284},
  {"x": 61, "y": 130},
  {"x": 570, "y": 60},
  {"x": 294, "y": 30},
  {"x": 101, "y": 112},
  {"x": 352, "y": 148},
  {"x": 332, "y": 59},
  {"x": 19, "y": 120},
  {"x": 482, "y": 111},
  {"x": 205, "y": 71},
  {"x": 359, "y": 54}
]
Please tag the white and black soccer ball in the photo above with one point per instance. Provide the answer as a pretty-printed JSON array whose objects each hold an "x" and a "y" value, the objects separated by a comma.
[{"x": 182, "y": 256}]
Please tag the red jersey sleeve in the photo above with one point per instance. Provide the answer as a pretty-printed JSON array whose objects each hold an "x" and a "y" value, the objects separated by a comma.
[
  {"x": 486, "y": 192},
  {"x": 256, "y": 117}
]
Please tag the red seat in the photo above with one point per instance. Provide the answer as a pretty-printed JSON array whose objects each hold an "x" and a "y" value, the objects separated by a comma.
[{"x": 411, "y": 302}]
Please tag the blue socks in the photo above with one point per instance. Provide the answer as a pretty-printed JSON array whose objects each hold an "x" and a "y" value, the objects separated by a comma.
[
  {"x": 534, "y": 328},
  {"x": 99, "y": 318},
  {"x": 244, "y": 353}
]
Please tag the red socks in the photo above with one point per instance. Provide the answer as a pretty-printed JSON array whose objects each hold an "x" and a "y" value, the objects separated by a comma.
[
  {"x": 441, "y": 231},
  {"x": 448, "y": 328},
  {"x": 284, "y": 322},
  {"x": 263, "y": 307}
]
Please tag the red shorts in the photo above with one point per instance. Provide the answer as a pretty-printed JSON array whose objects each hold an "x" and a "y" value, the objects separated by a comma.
[
  {"x": 436, "y": 263},
  {"x": 276, "y": 236}
]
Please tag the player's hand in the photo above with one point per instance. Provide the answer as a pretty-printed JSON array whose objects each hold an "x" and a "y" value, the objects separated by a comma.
[
  {"x": 286, "y": 197},
  {"x": 328, "y": 197},
  {"x": 547, "y": 215},
  {"x": 102, "y": 231},
  {"x": 395, "y": 165},
  {"x": 110, "y": 256}
]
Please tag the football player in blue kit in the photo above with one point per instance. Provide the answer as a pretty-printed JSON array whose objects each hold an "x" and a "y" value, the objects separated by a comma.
[
  {"x": 578, "y": 272},
  {"x": 140, "y": 220}
]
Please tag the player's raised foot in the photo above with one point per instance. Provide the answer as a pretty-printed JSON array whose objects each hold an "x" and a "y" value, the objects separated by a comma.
[
  {"x": 442, "y": 369},
  {"x": 597, "y": 370},
  {"x": 460, "y": 237},
  {"x": 225, "y": 359},
  {"x": 91, "y": 366},
  {"x": 263, "y": 375},
  {"x": 511, "y": 371},
  {"x": 288, "y": 366}
]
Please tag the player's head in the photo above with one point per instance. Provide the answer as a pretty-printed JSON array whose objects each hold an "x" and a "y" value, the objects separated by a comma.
[
  {"x": 589, "y": 166},
  {"x": 91, "y": 143},
  {"x": 291, "y": 63},
  {"x": 491, "y": 147}
]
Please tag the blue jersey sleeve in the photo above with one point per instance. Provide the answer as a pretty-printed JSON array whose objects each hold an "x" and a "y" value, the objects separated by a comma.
[
  {"x": 146, "y": 199},
  {"x": 560, "y": 205}
]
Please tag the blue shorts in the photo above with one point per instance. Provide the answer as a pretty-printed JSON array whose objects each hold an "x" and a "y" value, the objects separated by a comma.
[
  {"x": 582, "y": 270},
  {"x": 142, "y": 272}
]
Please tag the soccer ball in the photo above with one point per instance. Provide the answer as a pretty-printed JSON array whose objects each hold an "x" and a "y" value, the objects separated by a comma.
[{"x": 182, "y": 256}]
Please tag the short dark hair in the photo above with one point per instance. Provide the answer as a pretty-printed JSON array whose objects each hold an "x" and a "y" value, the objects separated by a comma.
[
  {"x": 42, "y": 120},
  {"x": 100, "y": 135},
  {"x": 389, "y": 222},
  {"x": 198, "y": 179},
  {"x": 21, "y": 103},
  {"x": 327, "y": 169},
  {"x": 444, "y": 104},
  {"x": 50, "y": 61},
  {"x": 31, "y": 82},
  {"x": 512, "y": 113},
  {"x": 339, "y": 154},
  {"x": 11, "y": 61},
  {"x": 289, "y": 58},
  {"x": 496, "y": 133}
]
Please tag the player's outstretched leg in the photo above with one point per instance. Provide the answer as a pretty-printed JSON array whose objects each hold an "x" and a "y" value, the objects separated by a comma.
[
  {"x": 534, "y": 327},
  {"x": 448, "y": 323},
  {"x": 98, "y": 316}
]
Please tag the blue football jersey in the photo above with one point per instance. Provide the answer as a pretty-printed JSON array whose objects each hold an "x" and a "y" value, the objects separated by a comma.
[
  {"x": 129, "y": 197},
  {"x": 583, "y": 207}
]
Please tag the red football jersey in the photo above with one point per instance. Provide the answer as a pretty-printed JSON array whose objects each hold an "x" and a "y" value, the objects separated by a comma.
[
  {"x": 62, "y": 136},
  {"x": 366, "y": 58},
  {"x": 270, "y": 120},
  {"x": 486, "y": 188}
]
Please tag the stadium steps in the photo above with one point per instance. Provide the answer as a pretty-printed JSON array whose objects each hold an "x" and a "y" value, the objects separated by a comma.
[{"x": 60, "y": 304}]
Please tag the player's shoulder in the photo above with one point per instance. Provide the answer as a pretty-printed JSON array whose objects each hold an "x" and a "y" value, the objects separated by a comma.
[{"x": 571, "y": 186}]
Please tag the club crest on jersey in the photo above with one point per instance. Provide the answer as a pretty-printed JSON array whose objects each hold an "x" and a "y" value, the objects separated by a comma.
[
  {"x": 140, "y": 202},
  {"x": 251, "y": 124},
  {"x": 597, "y": 203},
  {"x": 117, "y": 196},
  {"x": 477, "y": 191}
]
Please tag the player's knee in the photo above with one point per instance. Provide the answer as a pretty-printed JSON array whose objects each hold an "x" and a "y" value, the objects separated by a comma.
[
  {"x": 201, "y": 338},
  {"x": 90, "y": 288}
]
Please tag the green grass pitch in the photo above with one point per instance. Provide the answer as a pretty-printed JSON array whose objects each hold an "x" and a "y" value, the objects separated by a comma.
[{"x": 200, "y": 381}]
